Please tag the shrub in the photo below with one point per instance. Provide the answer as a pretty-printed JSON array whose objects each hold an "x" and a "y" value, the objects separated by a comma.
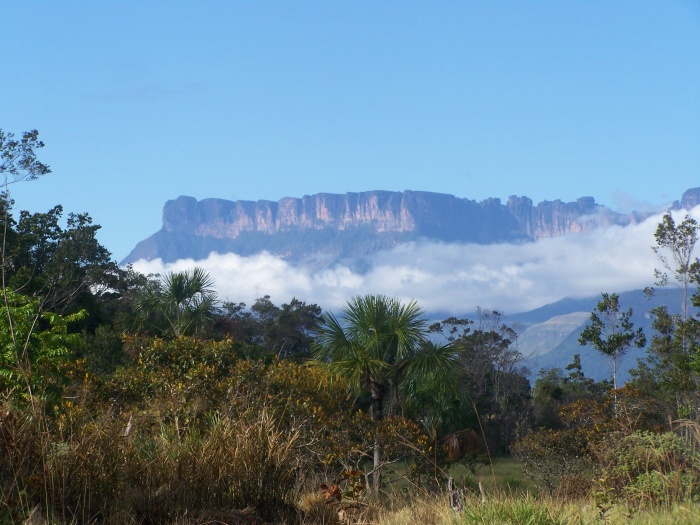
[
  {"x": 646, "y": 468},
  {"x": 553, "y": 456}
]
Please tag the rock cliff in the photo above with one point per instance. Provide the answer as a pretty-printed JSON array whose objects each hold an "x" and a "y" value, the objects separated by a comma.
[{"x": 357, "y": 224}]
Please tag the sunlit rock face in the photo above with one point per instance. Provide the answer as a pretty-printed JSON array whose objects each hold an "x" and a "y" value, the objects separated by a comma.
[{"x": 354, "y": 225}]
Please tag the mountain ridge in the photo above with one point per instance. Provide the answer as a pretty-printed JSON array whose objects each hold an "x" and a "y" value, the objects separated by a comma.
[{"x": 358, "y": 224}]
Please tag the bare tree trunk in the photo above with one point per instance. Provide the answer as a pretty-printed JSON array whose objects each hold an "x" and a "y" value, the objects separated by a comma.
[
  {"x": 377, "y": 472},
  {"x": 377, "y": 390}
]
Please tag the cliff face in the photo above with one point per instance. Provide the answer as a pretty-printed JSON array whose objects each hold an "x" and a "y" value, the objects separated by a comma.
[
  {"x": 427, "y": 214},
  {"x": 356, "y": 224}
]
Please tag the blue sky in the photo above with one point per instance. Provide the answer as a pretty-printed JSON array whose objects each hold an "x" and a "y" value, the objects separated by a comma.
[{"x": 140, "y": 102}]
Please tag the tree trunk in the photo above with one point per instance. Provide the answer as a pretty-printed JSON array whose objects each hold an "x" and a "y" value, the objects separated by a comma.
[
  {"x": 376, "y": 473},
  {"x": 377, "y": 390}
]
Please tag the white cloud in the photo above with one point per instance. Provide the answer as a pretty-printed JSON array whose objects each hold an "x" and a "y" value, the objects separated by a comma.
[{"x": 450, "y": 278}]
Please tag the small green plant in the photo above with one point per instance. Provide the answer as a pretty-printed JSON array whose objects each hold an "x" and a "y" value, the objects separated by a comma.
[{"x": 512, "y": 511}]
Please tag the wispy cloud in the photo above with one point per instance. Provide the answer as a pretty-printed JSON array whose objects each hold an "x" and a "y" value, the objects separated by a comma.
[
  {"x": 451, "y": 278},
  {"x": 625, "y": 203}
]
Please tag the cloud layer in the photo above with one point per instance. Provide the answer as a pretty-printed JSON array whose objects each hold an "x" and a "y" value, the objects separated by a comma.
[{"x": 450, "y": 278}]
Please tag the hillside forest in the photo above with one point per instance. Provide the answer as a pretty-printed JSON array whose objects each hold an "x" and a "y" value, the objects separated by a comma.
[{"x": 130, "y": 398}]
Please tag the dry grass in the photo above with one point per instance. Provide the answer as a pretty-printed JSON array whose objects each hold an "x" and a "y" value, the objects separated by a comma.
[
  {"x": 97, "y": 474},
  {"x": 502, "y": 509}
]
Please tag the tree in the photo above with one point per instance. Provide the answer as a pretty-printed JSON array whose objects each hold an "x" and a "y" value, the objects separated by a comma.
[
  {"x": 60, "y": 264},
  {"x": 553, "y": 391},
  {"x": 33, "y": 343},
  {"x": 376, "y": 345},
  {"x": 611, "y": 332},
  {"x": 65, "y": 268},
  {"x": 679, "y": 240},
  {"x": 286, "y": 331},
  {"x": 180, "y": 303},
  {"x": 491, "y": 375},
  {"x": 670, "y": 371},
  {"x": 18, "y": 160}
]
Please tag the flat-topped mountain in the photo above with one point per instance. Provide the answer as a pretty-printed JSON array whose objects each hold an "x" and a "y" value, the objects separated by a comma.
[{"x": 353, "y": 225}]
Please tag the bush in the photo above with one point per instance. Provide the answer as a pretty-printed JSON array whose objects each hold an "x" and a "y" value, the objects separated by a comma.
[
  {"x": 647, "y": 468},
  {"x": 551, "y": 457}
]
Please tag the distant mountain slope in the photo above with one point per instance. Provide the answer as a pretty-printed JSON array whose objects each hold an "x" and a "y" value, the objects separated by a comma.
[
  {"x": 549, "y": 336},
  {"x": 538, "y": 340},
  {"x": 358, "y": 224}
]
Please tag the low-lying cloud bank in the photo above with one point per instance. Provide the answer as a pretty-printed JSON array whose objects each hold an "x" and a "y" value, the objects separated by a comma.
[{"x": 450, "y": 278}]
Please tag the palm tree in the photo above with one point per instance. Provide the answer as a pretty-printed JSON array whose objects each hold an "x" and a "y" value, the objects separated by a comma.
[
  {"x": 377, "y": 344},
  {"x": 180, "y": 303}
]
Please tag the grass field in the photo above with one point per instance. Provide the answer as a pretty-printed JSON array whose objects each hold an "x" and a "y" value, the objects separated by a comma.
[
  {"x": 509, "y": 498},
  {"x": 505, "y": 474}
]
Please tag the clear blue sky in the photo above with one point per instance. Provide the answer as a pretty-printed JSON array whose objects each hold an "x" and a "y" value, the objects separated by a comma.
[{"x": 141, "y": 101}]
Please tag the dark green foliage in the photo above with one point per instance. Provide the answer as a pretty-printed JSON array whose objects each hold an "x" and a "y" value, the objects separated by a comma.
[
  {"x": 63, "y": 267},
  {"x": 553, "y": 390},
  {"x": 103, "y": 351},
  {"x": 282, "y": 331},
  {"x": 374, "y": 345},
  {"x": 493, "y": 392},
  {"x": 66, "y": 267},
  {"x": 377, "y": 345},
  {"x": 671, "y": 371}
]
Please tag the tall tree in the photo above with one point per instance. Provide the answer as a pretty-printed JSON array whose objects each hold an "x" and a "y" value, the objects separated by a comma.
[
  {"x": 64, "y": 267},
  {"x": 670, "y": 371},
  {"x": 675, "y": 244},
  {"x": 58, "y": 262},
  {"x": 377, "y": 344},
  {"x": 611, "y": 331},
  {"x": 491, "y": 375},
  {"x": 18, "y": 162}
]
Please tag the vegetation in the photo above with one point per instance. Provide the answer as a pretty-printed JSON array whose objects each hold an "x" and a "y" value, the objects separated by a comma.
[
  {"x": 611, "y": 331},
  {"x": 127, "y": 398}
]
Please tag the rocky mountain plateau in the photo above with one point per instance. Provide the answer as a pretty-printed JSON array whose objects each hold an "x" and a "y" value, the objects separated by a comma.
[{"x": 353, "y": 225}]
